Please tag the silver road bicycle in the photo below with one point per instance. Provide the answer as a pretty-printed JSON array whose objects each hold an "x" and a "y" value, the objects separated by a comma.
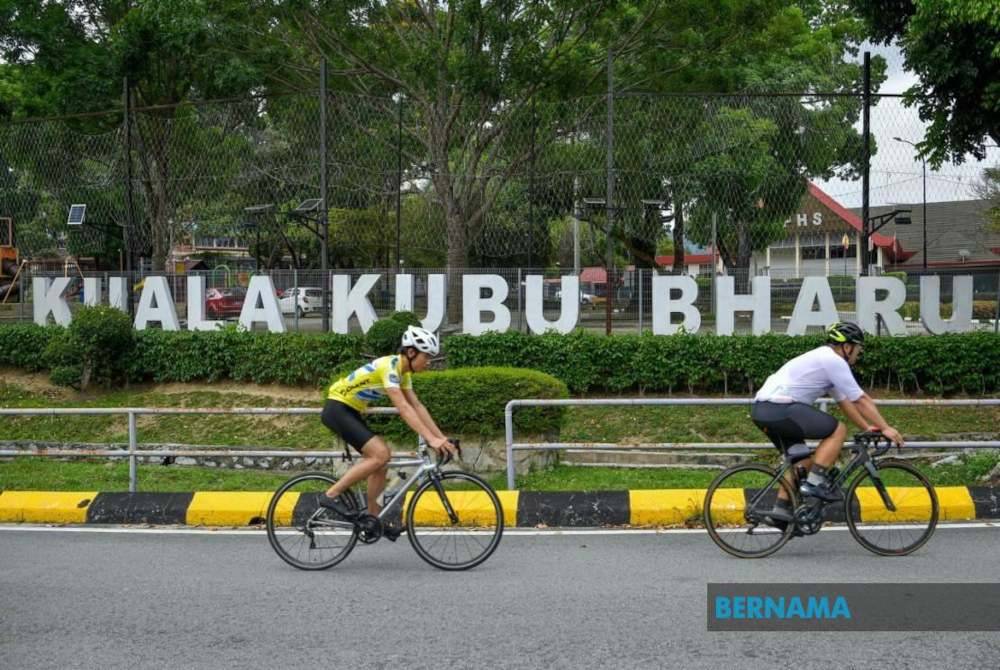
[{"x": 454, "y": 520}]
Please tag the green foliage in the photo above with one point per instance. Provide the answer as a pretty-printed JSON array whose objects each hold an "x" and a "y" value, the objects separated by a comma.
[
  {"x": 94, "y": 349},
  {"x": 229, "y": 353},
  {"x": 738, "y": 364},
  {"x": 471, "y": 401},
  {"x": 952, "y": 47},
  {"x": 23, "y": 345},
  {"x": 384, "y": 336},
  {"x": 901, "y": 276}
]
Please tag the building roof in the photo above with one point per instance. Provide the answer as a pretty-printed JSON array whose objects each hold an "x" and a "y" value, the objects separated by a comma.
[
  {"x": 890, "y": 246},
  {"x": 958, "y": 233}
]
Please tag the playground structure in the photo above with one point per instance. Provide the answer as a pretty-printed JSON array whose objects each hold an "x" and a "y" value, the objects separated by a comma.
[{"x": 10, "y": 260}]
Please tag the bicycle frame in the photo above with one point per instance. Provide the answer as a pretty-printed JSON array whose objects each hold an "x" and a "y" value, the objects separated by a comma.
[
  {"x": 861, "y": 459},
  {"x": 425, "y": 467}
]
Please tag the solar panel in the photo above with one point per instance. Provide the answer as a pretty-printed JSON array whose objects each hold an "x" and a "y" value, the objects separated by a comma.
[
  {"x": 310, "y": 205},
  {"x": 77, "y": 213}
]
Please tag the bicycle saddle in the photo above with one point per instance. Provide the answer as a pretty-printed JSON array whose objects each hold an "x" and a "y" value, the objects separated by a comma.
[{"x": 797, "y": 452}]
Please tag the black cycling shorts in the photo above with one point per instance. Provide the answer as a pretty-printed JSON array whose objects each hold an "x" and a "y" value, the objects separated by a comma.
[
  {"x": 347, "y": 422},
  {"x": 792, "y": 423}
]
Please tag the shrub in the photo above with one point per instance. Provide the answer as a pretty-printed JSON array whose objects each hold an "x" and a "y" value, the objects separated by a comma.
[
  {"x": 96, "y": 348},
  {"x": 23, "y": 345},
  {"x": 967, "y": 362},
  {"x": 471, "y": 401},
  {"x": 385, "y": 334},
  {"x": 229, "y": 353}
]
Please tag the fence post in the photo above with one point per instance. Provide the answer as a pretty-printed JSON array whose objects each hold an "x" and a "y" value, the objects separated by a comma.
[
  {"x": 996, "y": 317},
  {"x": 295, "y": 300},
  {"x": 131, "y": 452},
  {"x": 130, "y": 204},
  {"x": 399, "y": 177},
  {"x": 609, "y": 197},
  {"x": 866, "y": 159},
  {"x": 520, "y": 311},
  {"x": 324, "y": 231},
  {"x": 508, "y": 421},
  {"x": 639, "y": 271}
]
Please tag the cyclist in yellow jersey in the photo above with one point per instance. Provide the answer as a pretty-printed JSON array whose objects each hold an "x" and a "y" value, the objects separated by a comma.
[{"x": 348, "y": 398}]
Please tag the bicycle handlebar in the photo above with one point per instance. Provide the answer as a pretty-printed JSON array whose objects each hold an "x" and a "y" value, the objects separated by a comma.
[
  {"x": 444, "y": 457},
  {"x": 873, "y": 438}
]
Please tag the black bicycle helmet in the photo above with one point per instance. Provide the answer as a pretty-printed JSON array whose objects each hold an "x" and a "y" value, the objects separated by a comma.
[{"x": 845, "y": 332}]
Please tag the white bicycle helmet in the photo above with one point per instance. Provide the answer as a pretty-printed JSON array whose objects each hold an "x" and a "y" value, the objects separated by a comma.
[{"x": 421, "y": 340}]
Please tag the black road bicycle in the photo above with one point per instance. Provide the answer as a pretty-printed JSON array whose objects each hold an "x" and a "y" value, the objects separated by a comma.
[
  {"x": 454, "y": 520},
  {"x": 890, "y": 507}
]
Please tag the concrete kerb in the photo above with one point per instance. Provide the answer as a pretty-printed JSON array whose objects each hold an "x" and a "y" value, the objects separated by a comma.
[{"x": 634, "y": 508}]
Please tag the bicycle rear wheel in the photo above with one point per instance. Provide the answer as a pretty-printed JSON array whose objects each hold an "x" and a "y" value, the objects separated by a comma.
[
  {"x": 734, "y": 511},
  {"x": 898, "y": 511},
  {"x": 302, "y": 533},
  {"x": 454, "y": 521}
]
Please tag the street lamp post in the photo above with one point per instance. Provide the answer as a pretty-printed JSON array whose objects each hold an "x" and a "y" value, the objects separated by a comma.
[{"x": 924, "y": 163}]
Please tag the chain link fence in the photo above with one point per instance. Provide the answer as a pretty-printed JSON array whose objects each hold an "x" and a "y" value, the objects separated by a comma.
[{"x": 705, "y": 185}]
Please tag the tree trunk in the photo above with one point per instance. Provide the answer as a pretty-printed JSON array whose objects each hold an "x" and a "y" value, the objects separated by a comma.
[
  {"x": 744, "y": 252},
  {"x": 155, "y": 170},
  {"x": 457, "y": 260},
  {"x": 679, "y": 239}
]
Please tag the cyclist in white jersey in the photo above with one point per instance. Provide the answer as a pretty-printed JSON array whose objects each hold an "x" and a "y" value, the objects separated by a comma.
[{"x": 783, "y": 409}]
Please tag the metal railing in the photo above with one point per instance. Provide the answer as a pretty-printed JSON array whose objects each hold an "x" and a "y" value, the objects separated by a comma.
[
  {"x": 133, "y": 452},
  {"x": 512, "y": 446}
]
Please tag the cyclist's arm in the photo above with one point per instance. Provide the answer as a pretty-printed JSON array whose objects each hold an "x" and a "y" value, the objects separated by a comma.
[
  {"x": 425, "y": 416},
  {"x": 852, "y": 412},
  {"x": 866, "y": 406},
  {"x": 411, "y": 416}
]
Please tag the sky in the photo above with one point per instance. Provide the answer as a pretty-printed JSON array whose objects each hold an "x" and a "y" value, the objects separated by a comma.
[{"x": 896, "y": 172}]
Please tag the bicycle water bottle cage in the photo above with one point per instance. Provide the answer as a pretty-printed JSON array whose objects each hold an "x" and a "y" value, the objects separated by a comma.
[{"x": 797, "y": 452}]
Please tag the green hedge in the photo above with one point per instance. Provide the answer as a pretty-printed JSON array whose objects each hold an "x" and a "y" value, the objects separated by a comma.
[
  {"x": 471, "y": 401},
  {"x": 185, "y": 356},
  {"x": 968, "y": 362},
  {"x": 23, "y": 345},
  {"x": 259, "y": 357}
]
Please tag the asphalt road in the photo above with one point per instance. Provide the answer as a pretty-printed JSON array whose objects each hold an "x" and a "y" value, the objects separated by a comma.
[{"x": 131, "y": 600}]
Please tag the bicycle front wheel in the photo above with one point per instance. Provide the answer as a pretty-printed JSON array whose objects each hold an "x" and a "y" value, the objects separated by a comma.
[
  {"x": 896, "y": 512},
  {"x": 735, "y": 511},
  {"x": 302, "y": 533},
  {"x": 454, "y": 521}
]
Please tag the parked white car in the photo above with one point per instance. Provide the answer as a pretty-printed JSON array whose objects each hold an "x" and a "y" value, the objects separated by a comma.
[{"x": 307, "y": 299}]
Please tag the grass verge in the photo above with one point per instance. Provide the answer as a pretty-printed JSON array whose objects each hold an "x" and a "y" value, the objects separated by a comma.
[{"x": 37, "y": 474}]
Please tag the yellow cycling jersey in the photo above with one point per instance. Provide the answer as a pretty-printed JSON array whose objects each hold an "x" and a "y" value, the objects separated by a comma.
[{"x": 365, "y": 385}]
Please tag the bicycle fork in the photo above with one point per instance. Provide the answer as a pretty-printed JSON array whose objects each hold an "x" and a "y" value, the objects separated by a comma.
[
  {"x": 444, "y": 500},
  {"x": 880, "y": 486}
]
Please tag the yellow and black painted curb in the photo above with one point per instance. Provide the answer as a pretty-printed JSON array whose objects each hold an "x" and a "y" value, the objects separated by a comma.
[{"x": 662, "y": 507}]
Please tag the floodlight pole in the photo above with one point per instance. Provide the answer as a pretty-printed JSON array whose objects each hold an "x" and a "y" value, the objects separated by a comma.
[
  {"x": 324, "y": 228},
  {"x": 866, "y": 158}
]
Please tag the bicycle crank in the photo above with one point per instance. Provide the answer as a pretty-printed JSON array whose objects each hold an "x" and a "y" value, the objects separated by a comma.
[
  {"x": 809, "y": 517},
  {"x": 369, "y": 529}
]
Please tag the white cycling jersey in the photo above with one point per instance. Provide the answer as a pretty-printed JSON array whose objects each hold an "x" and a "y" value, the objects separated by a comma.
[{"x": 809, "y": 376}]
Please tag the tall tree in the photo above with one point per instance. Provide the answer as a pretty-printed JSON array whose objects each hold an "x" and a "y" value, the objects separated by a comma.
[
  {"x": 72, "y": 56},
  {"x": 954, "y": 48},
  {"x": 469, "y": 70}
]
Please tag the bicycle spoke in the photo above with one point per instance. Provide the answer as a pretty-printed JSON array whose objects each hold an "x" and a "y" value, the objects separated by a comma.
[
  {"x": 466, "y": 540},
  {"x": 735, "y": 509},
  {"x": 909, "y": 525},
  {"x": 289, "y": 532}
]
